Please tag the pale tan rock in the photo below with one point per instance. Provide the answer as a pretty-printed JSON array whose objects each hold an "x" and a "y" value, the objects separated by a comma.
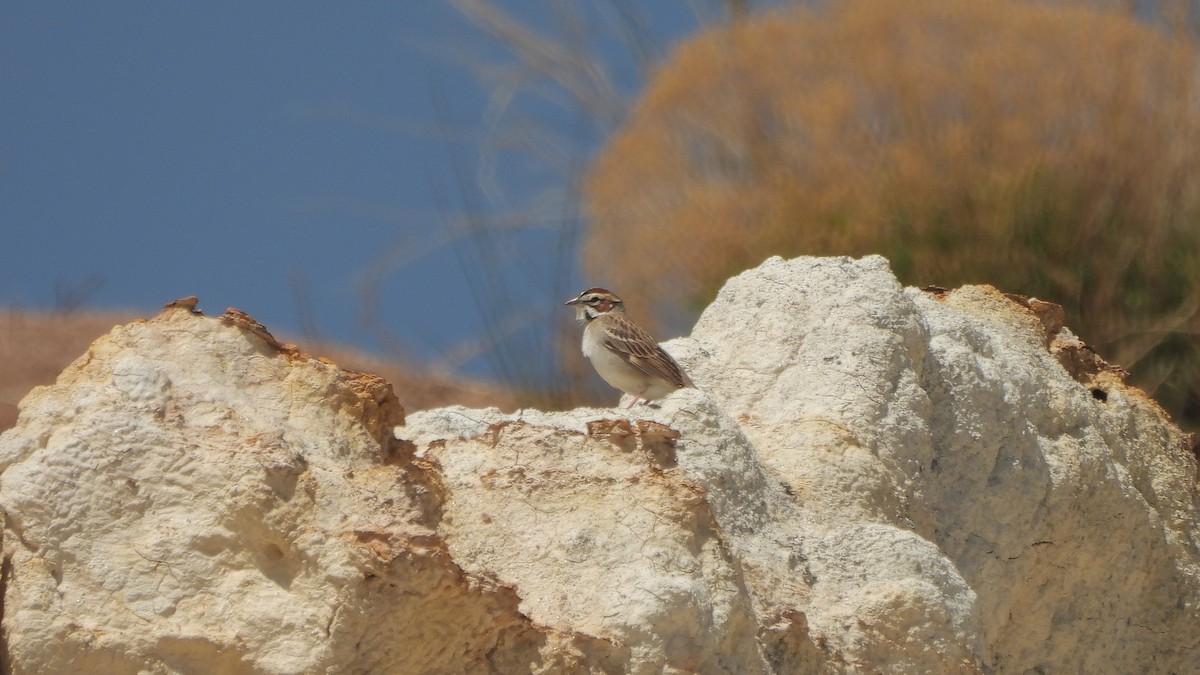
[
  {"x": 899, "y": 420},
  {"x": 186, "y": 498},
  {"x": 908, "y": 483},
  {"x": 868, "y": 479}
]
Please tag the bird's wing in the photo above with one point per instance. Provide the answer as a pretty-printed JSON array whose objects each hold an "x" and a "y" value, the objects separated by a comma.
[{"x": 635, "y": 346}]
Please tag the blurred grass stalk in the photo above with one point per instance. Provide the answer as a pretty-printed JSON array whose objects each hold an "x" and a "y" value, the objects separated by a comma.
[{"x": 551, "y": 100}]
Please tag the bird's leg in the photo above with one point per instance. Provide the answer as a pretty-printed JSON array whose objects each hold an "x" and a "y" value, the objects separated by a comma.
[{"x": 638, "y": 397}]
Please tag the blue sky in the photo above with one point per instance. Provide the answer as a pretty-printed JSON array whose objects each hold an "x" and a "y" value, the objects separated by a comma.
[{"x": 239, "y": 151}]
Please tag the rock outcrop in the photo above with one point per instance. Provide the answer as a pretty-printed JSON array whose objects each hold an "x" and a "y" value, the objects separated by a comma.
[{"x": 867, "y": 478}]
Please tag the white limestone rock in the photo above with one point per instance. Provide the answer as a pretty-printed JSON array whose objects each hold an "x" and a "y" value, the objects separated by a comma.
[
  {"x": 913, "y": 482},
  {"x": 191, "y": 497},
  {"x": 1064, "y": 525},
  {"x": 868, "y": 478}
]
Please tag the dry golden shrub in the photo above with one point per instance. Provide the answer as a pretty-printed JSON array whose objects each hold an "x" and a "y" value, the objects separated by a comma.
[{"x": 1050, "y": 151}]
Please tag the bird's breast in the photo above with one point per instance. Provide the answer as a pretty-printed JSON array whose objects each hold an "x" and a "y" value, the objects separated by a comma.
[{"x": 592, "y": 339}]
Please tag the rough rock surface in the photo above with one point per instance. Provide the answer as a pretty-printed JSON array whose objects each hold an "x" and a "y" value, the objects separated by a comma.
[
  {"x": 190, "y": 497},
  {"x": 868, "y": 479}
]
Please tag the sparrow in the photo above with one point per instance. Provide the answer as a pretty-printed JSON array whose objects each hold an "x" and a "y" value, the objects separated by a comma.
[{"x": 622, "y": 352}]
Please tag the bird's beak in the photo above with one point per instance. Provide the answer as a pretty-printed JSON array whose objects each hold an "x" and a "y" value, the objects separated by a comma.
[{"x": 573, "y": 301}]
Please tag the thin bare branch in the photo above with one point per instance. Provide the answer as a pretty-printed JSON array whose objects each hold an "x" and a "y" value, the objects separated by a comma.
[{"x": 571, "y": 69}]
